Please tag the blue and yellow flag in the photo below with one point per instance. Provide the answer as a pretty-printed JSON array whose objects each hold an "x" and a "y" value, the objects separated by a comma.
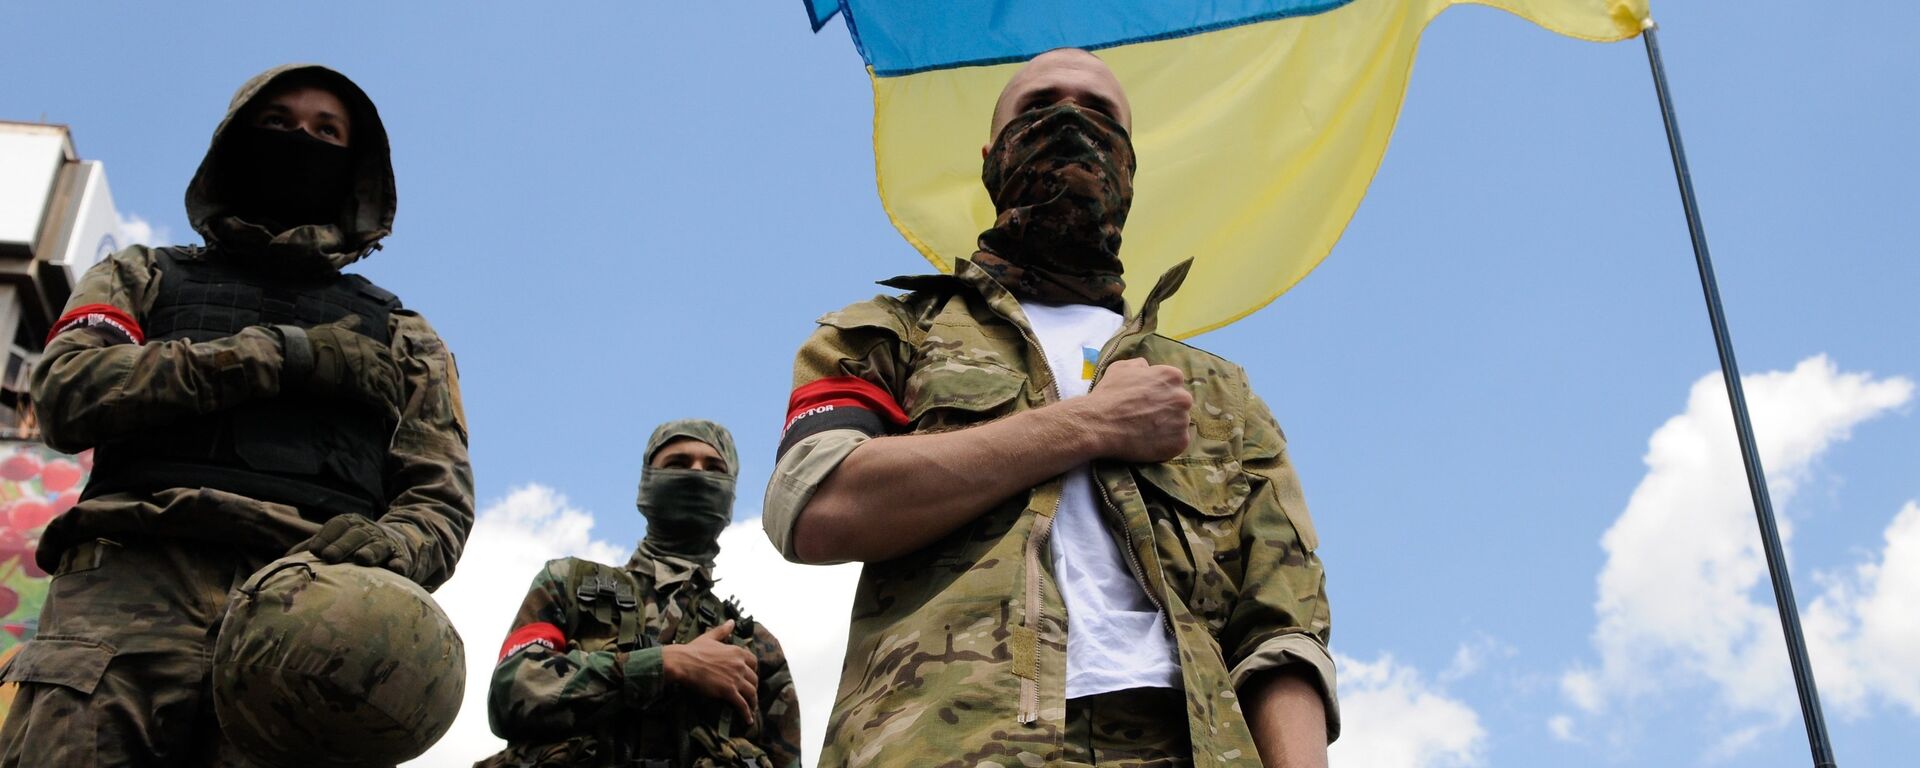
[{"x": 1258, "y": 123}]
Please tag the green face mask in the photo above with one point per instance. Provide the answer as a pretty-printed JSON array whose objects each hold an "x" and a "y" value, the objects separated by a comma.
[{"x": 686, "y": 509}]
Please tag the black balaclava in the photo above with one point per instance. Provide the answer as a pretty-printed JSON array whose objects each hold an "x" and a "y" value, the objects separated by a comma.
[{"x": 284, "y": 178}]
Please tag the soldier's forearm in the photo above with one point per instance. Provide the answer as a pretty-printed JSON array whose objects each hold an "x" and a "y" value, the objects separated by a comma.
[
  {"x": 87, "y": 392},
  {"x": 1288, "y": 720},
  {"x": 535, "y": 695},
  {"x": 435, "y": 502},
  {"x": 894, "y": 495}
]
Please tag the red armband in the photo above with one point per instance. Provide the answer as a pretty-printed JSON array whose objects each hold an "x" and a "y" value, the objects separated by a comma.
[
  {"x": 541, "y": 634},
  {"x": 842, "y": 391},
  {"x": 840, "y": 402},
  {"x": 106, "y": 317}
]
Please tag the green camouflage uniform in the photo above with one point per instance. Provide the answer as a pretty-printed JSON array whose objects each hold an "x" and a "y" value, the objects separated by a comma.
[
  {"x": 957, "y": 652},
  {"x": 580, "y": 680},
  {"x": 119, "y": 670}
]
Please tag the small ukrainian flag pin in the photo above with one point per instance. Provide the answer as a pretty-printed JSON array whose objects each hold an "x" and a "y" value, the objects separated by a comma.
[{"x": 1089, "y": 360}]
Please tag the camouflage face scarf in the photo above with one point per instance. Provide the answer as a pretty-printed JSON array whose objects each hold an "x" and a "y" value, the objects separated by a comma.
[
  {"x": 1062, "y": 179},
  {"x": 686, "y": 509}
]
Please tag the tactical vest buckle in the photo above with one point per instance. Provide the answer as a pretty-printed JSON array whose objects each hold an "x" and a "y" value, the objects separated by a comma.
[{"x": 595, "y": 587}]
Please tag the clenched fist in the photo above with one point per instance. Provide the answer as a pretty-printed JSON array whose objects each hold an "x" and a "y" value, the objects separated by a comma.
[
  {"x": 716, "y": 669},
  {"x": 1139, "y": 412}
]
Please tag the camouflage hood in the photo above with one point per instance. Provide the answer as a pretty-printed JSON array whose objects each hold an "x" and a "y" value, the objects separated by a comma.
[
  {"x": 702, "y": 430},
  {"x": 363, "y": 224}
]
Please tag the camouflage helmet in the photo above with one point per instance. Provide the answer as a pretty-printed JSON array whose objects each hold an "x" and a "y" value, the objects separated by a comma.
[{"x": 335, "y": 665}]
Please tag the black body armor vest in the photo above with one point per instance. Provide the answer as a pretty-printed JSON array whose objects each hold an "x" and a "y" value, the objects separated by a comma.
[{"x": 323, "y": 456}]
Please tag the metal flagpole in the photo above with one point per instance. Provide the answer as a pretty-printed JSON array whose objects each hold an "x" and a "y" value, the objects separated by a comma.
[{"x": 1736, "y": 396}]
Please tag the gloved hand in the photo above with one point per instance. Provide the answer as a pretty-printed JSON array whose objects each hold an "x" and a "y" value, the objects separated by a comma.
[
  {"x": 335, "y": 360},
  {"x": 354, "y": 539}
]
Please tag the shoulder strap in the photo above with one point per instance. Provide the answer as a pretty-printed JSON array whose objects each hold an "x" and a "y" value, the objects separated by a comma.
[
  {"x": 169, "y": 256},
  {"x": 373, "y": 291},
  {"x": 627, "y": 600}
]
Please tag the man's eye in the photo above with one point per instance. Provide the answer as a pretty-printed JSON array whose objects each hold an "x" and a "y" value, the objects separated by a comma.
[
  {"x": 329, "y": 130},
  {"x": 274, "y": 121}
]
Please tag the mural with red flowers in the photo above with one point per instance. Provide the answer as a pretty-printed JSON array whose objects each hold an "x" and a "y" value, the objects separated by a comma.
[{"x": 36, "y": 485}]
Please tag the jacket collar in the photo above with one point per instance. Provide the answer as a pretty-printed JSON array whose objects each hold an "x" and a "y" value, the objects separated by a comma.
[
  {"x": 668, "y": 571},
  {"x": 967, "y": 276}
]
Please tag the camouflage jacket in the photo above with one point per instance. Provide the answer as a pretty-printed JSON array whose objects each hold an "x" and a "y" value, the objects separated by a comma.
[
  {"x": 91, "y": 387},
  {"x": 97, "y": 382},
  {"x": 569, "y": 690},
  {"x": 958, "y": 651}
]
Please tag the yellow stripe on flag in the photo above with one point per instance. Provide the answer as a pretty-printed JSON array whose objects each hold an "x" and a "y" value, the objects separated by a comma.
[{"x": 1255, "y": 143}]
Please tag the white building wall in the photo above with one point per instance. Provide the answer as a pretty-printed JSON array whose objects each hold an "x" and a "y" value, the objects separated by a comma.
[{"x": 30, "y": 160}]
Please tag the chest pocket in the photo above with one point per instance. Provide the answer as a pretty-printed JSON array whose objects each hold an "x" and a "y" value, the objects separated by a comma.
[
  {"x": 954, "y": 388},
  {"x": 1195, "y": 504},
  {"x": 965, "y": 369}
]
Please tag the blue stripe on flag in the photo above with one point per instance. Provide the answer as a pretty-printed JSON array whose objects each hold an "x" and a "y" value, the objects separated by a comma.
[
  {"x": 821, "y": 11},
  {"x": 901, "y": 37}
]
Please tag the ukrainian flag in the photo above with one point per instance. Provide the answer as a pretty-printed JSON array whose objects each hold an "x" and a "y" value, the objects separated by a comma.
[{"x": 1258, "y": 123}]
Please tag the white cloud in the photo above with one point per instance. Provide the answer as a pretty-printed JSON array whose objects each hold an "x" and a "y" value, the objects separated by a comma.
[
  {"x": 1392, "y": 718},
  {"x": 806, "y": 606},
  {"x": 1732, "y": 744},
  {"x": 1472, "y": 656},
  {"x": 1864, "y": 631},
  {"x": 1683, "y": 596},
  {"x": 135, "y": 230},
  {"x": 510, "y": 542},
  {"x": 1561, "y": 726}
]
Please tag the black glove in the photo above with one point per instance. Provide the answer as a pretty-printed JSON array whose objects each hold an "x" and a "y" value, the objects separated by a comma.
[
  {"x": 334, "y": 360},
  {"x": 354, "y": 539}
]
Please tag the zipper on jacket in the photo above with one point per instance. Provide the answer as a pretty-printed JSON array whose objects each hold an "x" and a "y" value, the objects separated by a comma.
[
  {"x": 1133, "y": 558},
  {"x": 1029, "y": 707}
]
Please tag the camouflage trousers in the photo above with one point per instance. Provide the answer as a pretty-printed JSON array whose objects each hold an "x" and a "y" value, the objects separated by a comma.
[
  {"x": 119, "y": 672},
  {"x": 1134, "y": 728}
]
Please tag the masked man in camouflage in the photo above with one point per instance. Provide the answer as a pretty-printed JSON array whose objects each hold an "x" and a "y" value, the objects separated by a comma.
[
  {"x": 644, "y": 665},
  {"x": 1084, "y": 542},
  {"x": 244, "y": 399}
]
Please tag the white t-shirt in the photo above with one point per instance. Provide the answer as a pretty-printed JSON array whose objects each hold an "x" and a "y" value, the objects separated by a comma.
[{"x": 1115, "y": 636}]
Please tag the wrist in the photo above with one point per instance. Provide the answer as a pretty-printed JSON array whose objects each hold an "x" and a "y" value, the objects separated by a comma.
[
  {"x": 670, "y": 663},
  {"x": 1080, "y": 428}
]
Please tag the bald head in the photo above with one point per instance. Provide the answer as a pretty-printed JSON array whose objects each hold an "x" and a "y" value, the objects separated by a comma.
[{"x": 1062, "y": 75}]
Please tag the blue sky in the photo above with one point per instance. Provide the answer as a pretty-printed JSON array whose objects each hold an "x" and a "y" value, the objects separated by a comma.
[{"x": 618, "y": 214}]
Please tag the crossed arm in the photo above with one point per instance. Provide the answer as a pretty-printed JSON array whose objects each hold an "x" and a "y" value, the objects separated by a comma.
[{"x": 894, "y": 495}]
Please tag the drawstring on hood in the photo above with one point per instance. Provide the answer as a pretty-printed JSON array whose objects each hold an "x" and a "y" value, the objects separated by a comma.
[{"x": 223, "y": 200}]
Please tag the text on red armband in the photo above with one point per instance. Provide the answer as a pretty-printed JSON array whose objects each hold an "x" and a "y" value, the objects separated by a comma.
[
  {"x": 539, "y": 633},
  {"x": 107, "y": 317}
]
